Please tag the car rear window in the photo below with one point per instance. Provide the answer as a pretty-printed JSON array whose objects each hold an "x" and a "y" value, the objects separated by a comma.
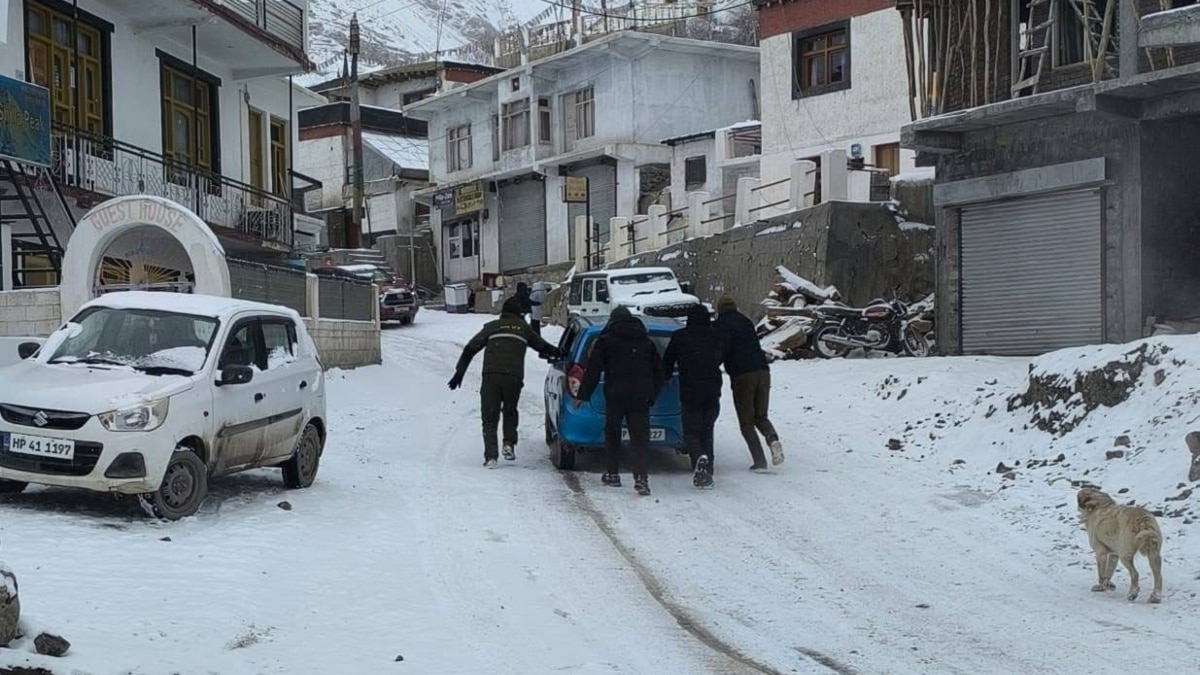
[{"x": 660, "y": 343}]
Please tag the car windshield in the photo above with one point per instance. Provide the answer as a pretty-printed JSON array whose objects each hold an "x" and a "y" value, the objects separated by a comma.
[
  {"x": 644, "y": 278},
  {"x": 660, "y": 343},
  {"x": 152, "y": 341}
]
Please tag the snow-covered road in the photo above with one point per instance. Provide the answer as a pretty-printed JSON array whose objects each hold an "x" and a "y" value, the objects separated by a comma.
[{"x": 850, "y": 558}]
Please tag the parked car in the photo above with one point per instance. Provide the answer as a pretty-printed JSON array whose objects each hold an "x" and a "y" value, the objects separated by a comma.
[
  {"x": 398, "y": 304},
  {"x": 570, "y": 431},
  {"x": 363, "y": 272},
  {"x": 152, "y": 393},
  {"x": 652, "y": 291}
]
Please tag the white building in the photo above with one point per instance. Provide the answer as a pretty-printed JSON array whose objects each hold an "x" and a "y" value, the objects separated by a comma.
[
  {"x": 833, "y": 78},
  {"x": 501, "y": 148},
  {"x": 184, "y": 99}
]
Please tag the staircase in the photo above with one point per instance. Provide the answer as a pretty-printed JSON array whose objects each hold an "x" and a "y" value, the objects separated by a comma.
[{"x": 37, "y": 249}]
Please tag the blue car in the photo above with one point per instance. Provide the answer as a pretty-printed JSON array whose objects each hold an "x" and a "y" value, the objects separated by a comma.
[{"x": 570, "y": 431}]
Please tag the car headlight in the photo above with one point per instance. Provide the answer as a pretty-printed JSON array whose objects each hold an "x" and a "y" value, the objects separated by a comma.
[{"x": 143, "y": 417}]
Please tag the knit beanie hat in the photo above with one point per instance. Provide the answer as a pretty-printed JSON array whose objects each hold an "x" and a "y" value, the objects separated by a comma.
[{"x": 726, "y": 304}]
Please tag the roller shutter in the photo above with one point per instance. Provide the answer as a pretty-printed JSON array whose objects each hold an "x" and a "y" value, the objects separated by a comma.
[
  {"x": 522, "y": 225},
  {"x": 602, "y": 186},
  {"x": 1031, "y": 274}
]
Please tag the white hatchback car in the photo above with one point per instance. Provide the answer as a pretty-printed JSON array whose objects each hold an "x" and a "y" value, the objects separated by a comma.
[{"x": 151, "y": 394}]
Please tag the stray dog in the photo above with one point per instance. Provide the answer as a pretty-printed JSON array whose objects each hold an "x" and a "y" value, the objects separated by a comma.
[{"x": 1120, "y": 532}]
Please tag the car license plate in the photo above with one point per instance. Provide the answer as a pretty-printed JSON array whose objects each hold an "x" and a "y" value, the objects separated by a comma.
[
  {"x": 40, "y": 446},
  {"x": 657, "y": 435}
]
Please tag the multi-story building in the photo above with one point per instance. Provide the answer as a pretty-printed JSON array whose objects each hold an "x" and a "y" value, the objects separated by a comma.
[
  {"x": 184, "y": 99},
  {"x": 833, "y": 78},
  {"x": 501, "y": 149}
]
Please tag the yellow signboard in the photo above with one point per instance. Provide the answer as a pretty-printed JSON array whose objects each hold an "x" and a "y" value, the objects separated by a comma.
[
  {"x": 575, "y": 190},
  {"x": 468, "y": 198}
]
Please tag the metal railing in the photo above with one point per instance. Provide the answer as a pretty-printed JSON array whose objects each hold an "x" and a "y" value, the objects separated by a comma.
[
  {"x": 346, "y": 299},
  {"x": 112, "y": 168},
  {"x": 281, "y": 18},
  {"x": 267, "y": 283}
]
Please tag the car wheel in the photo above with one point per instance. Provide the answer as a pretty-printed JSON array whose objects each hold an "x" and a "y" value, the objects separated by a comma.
[
  {"x": 562, "y": 455},
  {"x": 12, "y": 487},
  {"x": 184, "y": 487},
  {"x": 301, "y": 470}
]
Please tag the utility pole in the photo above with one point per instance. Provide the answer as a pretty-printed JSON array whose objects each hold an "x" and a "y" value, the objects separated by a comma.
[{"x": 354, "y": 232}]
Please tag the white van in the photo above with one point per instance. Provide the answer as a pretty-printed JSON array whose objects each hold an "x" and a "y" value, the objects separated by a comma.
[{"x": 651, "y": 291}]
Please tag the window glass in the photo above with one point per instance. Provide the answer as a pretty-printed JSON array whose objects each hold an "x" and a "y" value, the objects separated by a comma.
[
  {"x": 242, "y": 349},
  {"x": 279, "y": 343}
]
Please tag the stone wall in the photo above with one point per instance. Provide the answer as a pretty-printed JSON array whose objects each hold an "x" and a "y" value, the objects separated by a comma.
[
  {"x": 346, "y": 344},
  {"x": 858, "y": 247},
  {"x": 29, "y": 313}
]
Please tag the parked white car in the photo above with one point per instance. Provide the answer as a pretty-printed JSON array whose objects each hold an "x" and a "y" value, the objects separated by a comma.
[
  {"x": 652, "y": 291},
  {"x": 151, "y": 394}
]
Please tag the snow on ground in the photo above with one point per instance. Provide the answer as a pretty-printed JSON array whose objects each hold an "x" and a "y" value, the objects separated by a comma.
[{"x": 851, "y": 557}]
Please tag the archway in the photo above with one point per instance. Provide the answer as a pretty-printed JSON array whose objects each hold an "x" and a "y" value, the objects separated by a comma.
[{"x": 149, "y": 242}]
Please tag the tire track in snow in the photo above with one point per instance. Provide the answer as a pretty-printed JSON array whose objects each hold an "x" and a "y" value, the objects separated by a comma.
[{"x": 681, "y": 615}]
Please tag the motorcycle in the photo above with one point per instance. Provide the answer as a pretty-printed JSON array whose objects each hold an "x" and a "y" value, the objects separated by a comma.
[{"x": 885, "y": 326}]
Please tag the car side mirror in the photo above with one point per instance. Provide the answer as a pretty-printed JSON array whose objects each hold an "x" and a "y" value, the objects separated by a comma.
[
  {"x": 233, "y": 375},
  {"x": 27, "y": 349}
]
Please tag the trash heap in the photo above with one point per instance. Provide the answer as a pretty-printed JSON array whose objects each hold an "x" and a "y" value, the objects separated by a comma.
[{"x": 785, "y": 329}]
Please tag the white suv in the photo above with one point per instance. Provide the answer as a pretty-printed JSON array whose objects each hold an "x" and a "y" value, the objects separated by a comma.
[
  {"x": 151, "y": 394},
  {"x": 652, "y": 291}
]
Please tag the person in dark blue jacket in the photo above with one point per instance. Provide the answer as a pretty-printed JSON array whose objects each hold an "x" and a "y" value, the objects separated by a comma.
[
  {"x": 750, "y": 380},
  {"x": 698, "y": 350}
]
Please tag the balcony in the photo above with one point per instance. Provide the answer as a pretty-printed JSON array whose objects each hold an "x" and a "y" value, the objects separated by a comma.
[
  {"x": 93, "y": 168},
  {"x": 258, "y": 37}
]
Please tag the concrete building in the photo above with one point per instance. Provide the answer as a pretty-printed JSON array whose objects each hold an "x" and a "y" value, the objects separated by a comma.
[
  {"x": 712, "y": 162},
  {"x": 502, "y": 148},
  {"x": 404, "y": 85},
  {"x": 1064, "y": 214},
  {"x": 832, "y": 79},
  {"x": 184, "y": 99}
]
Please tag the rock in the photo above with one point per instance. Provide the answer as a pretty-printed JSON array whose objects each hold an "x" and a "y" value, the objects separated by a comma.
[
  {"x": 1193, "y": 443},
  {"x": 1160, "y": 376},
  {"x": 1011, "y": 475},
  {"x": 49, "y": 644},
  {"x": 399, "y": 658},
  {"x": 894, "y": 444},
  {"x": 286, "y": 506},
  {"x": 1122, "y": 442},
  {"x": 1179, "y": 497},
  {"x": 1114, "y": 454},
  {"x": 1000, "y": 468},
  {"x": 10, "y": 607},
  {"x": 959, "y": 461}
]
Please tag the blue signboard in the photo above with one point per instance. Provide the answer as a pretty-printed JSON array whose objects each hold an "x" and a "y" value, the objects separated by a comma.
[{"x": 24, "y": 122}]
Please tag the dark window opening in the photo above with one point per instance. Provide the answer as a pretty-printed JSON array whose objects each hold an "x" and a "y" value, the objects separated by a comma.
[{"x": 695, "y": 173}]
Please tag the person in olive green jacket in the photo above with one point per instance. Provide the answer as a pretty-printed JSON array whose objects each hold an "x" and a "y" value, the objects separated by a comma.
[{"x": 503, "y": 343}]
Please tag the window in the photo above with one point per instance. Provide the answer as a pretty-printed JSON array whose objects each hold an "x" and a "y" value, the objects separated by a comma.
[
  {"x": 468, "y": 239},
  {"x": 695, "y": 173},
  {"x": 516, "y": 84},
  {"x": 1071, "y": 33},
  {"x": 458, "y": 148},
  {"x": 463, "y": 240},
  {"x": 77, "y": 99},
  {"x": 544, "y": 120},
  {"x": 585, "y": 113},
  {"x": 495, "y": 138},
  {"x": 414, "y": 96},
  {"x": 258, "y": 168},
  {"x": 279, "y": 157},
  {"x": 243, "y": 348},
  {"x": 822, "y": 61},
  {"x": 589, "y": 286},
  {"x": 516, "y": 124},
  {"x": 279, "y": 340},
  {"x": 189, "y": 126},
  {"x": 888, "y": 157}
]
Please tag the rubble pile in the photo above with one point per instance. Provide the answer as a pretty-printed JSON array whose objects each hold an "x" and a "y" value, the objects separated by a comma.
[{"x": 785, "y": 330}]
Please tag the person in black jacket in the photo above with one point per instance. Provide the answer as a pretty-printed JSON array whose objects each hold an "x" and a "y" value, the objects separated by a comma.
[
  {"x": 699, "y": 350},
  {"x": 750, "y": 379},
  {"x": 525, "y": 297},
  {"x": 633, "y": 377},
  {"x": 505, "y": 341}
]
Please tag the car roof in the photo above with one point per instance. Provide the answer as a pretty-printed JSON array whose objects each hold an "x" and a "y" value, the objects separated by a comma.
[
  {"x": 623, "y": 271},
  {"x": 185, "y": 303},
  {"x": 361, "y": 267}
]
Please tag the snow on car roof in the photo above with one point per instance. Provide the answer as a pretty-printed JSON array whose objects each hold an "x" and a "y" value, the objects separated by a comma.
[
  {"x": 360, "y": 267},
  {"x": 185, "y": 303}
]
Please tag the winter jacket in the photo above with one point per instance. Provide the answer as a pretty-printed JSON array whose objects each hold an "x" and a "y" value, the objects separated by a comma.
[
  {"x": 628, "y": 360},
  {"x": 524, "y": 296},
  {"x": 505, "y": 341},
  {"x": 699, "y": 350},
  {"x": 743, "y": 353}
]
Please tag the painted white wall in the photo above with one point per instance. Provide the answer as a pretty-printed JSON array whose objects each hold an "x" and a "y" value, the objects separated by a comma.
[
  {"x": 324, "y": 159},
  {"x": 679, "y": 156},
  {"x": 871, "y": 112}
]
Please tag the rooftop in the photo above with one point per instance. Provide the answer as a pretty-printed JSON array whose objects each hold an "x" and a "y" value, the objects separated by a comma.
[{"x": 402, "y": 73}]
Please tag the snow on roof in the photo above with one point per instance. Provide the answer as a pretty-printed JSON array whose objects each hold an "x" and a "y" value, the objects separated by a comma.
[
  {"x": 404, "y": 151},
  {"x": 710, "y": 133},
  {"x": 184, "y": 303},
  {"x": 914, "y": 175}
]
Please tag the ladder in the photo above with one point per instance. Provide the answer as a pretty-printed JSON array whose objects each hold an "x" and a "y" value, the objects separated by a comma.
[
  {"x": 38, "y": 239},
  {"x": 1037, "y": 46}
]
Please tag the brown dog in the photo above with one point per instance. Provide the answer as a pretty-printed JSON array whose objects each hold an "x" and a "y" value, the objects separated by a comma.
[{"x": 1120, "y": 532}]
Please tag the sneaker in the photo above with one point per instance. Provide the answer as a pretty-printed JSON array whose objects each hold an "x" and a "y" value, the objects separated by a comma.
[
  {"x": 760, "y": 468},
  {"x": 703, "y": 476},
  {"x": 489, "y": 463},
  {"x": 641, "y": 485},
  {"x": 776, "y": 452},
  {"x": 611, "y": 479},
  {"x": 510, "y": 453}
]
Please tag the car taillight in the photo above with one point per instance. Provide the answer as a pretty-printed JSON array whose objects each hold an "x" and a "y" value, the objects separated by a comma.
[{"x": 575, "y": 380}]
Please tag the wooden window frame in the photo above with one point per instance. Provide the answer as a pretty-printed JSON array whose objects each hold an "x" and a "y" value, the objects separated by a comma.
[
  {"x": 585, "y": 113},
  {"x": 101, "y": 60},
  {"x": 516, "y": 115},
  {"x": 172, "y": 64},
  {"x": 801, "y": 88},
  {"x": 456, "y": 136},
  {"x": 279, "y": 156},
  {"x": 545, "y": 122}
]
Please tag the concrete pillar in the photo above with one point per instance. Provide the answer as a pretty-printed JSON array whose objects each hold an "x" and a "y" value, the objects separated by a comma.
[
  {"x": 698, "y": 212},
  {"x": 583, "y": 230},
  {"x": 1127, "y": 25},
  {"x": 6, "y": 257},
  {"x": 858, "y": 186},
  {"x": 834, "y": 176},
  {"x": 656, "y": 227},
  {"x": 619, "y": 246},
  {"x": 748, "y": 199},
  {"x": 803, "y": 182},
  {"x": 640, "y": 225},
  {"x": 312, "y": 296}
]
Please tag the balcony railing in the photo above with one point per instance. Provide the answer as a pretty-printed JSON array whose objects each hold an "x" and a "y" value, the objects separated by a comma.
[
  {"x": 112, "y": 168},
  {"x": 281, "y": 18}
]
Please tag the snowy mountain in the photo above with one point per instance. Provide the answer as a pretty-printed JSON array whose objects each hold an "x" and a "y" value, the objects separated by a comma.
[{"x": 393, "y": 30}]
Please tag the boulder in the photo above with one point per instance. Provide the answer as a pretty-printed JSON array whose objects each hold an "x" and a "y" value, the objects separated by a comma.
[
  {"x": 49, "y": 644},
  {"x": 10, "y": 607}
]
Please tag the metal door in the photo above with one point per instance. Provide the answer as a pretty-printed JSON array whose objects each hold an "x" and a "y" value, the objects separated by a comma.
[
  {"x": 522, "y": 225},
  {"x": 602, "y": 195}
]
